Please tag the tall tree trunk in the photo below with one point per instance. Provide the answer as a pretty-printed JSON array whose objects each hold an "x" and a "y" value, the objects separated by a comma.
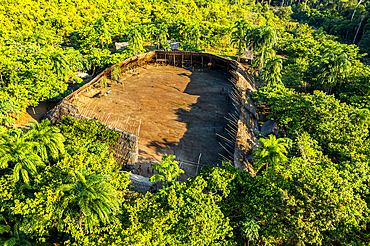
[
  {"x": 80, "y": 222},
  {"x": 261, "y": 62},
  {"x": 239, "y": 51},
  {"x": 354, "y": 39},
  {"x": 354, "y": 11}
]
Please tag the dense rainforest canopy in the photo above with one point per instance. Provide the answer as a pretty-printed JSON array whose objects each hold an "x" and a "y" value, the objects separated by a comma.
[{"x": 60, "y": 185}]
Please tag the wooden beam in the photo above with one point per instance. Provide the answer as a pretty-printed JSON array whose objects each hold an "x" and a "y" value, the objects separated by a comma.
[{"x": 191, "y": 61}]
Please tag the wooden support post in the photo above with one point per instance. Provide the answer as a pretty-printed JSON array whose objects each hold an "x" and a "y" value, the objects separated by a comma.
[
  {"x": 174, "y": 60},
  {"x": 182, "y": 60},
  {"x": 198, "y": 163},
  {"x": 165, "y": 57},
  {"x": 191, "y": 61},
  {"x": 202, "y": 64},
  {"x": 138, "y": 129}
]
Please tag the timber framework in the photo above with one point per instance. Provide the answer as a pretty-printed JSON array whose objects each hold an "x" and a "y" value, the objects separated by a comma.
[{"x": 242, "y": 125}]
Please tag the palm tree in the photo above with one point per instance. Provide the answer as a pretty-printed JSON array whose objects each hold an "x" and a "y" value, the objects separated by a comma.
[
  {"x": 183, "y": 28},
  {"x": 354, "y": 11},
  {"x": 94, "y": 197},
  {"x": 192, "y": 37},
  {"x": 261, "y": 39},
  {"x": 168, "y": 168},
  {"x": 238, "y": 35},
  {"x": 271, "y": 73},
  {"x": 18, "y": 238},
  {"x": 361, "y": 117},
  {"x": 271, "y": 151},
  {"x": 250, "y": 229},
  {"x": 17, "y": 152},
  {"x": 152, "y": 29},
  {"x": 334, "y": 68},
  {"x": 162, "y": 35},
  {"x": 48, "y": 138},
  {"x": 8, "y": 109},
  {"x": 4, "y": 228},
  {"x": 135, "y": 38},
  {"x": 101, "y": 29},
  {"x": 59, "y": 63}
]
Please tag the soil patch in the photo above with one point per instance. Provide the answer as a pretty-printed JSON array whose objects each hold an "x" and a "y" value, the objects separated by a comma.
[{"x": 180, "y": 111}]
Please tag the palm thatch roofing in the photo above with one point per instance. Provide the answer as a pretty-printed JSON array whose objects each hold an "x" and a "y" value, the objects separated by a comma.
[{"x": 141, "y": 183}]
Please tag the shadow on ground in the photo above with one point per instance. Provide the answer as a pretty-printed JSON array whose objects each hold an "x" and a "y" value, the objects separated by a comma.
[{"x": 203, "y": 120}]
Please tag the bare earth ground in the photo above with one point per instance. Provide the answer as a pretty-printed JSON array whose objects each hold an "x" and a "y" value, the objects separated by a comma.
[
  {"x": 180, "y": 110},
  {"x": 37, "y": 113}
]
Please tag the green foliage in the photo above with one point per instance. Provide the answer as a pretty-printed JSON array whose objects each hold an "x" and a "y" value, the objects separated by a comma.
[
  {"x": 49, "y": 141},
  {"x": 261, "y": 40},
  {"x": 101, "y": 30},
  {"x": 24, "y": 151},
  {"x": 17, "y": 237},
  {"x": 135, "y": 38},
  {"x": 250, "y": 229},
  {"x": 168, "y": 167},
  {"x": 35, "y": 209},
  {"x": 334, "y": 68},
  {"x": 345, "y": 19},
  {"x": 99, "y": 59},
  {"x": 361, "y": 117},
  {"x": 304, "y": 198},
  {"x": 8, "y": 110},
  {"x": 238, "y": 35},
  {"x": 316, "y": 61},
  {"x": 271, "y": 151},
  {"x": 218, "y": 179},
  {"x": 103, "y": 82},
  {"x": 86, "y": 132},
  {"x": 18, "y": 151},
  {"x": 271, "y": 73},
  {"x": 30, "y": 73},
  {"x": 315, "y": 194},
  {"x": 319, "y": 114},
  {"x": 179, "y": 214},
  {"x": 3, "y": 228},
  {"x": 307, "y": 194},
  {"x": 116, "y": 73},
  {"x": 92, "y": 197}
]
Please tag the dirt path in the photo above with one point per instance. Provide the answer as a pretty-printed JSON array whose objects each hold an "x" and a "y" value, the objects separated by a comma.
[{"x": 180, "y": 111}]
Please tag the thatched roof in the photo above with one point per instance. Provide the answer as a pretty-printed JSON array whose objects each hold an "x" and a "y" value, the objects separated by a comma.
[
  {"x": 121, "y": 46},
  {"x": 249, "y": 55},
  {"x": 141, "y": 183},
  {"x": 173, "y": 44}
]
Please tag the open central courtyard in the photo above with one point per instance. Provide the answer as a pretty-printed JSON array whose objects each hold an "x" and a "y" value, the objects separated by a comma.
[{"x": 180, "y": 111}]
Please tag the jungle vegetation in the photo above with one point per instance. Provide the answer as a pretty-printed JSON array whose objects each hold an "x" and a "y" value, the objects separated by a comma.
[{"x": 60, "y": 185}]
